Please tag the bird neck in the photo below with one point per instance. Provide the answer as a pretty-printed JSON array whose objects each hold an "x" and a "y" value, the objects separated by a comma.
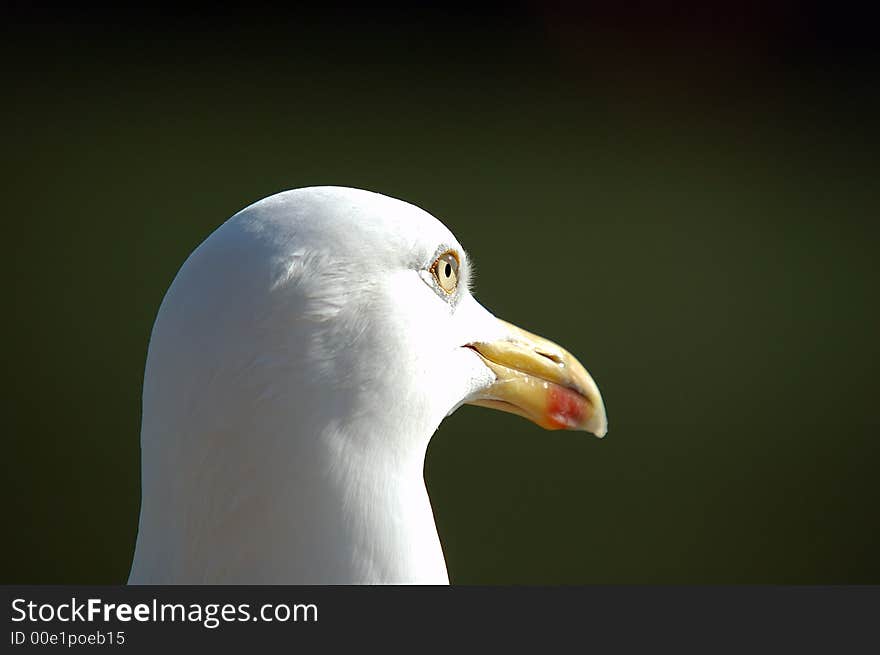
[
  {"x": 385, "y": 518},
  {"x": 323, "y": 506}
]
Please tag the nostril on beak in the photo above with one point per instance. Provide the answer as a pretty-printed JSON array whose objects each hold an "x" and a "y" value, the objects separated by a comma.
[{"x": 553, "y": 357}]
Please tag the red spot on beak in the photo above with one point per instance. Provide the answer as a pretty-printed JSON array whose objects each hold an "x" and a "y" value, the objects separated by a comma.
[{"x": 566, "y": 409}]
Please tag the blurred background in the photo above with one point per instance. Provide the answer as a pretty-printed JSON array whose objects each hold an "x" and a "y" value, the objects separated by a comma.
[{"x": 685, "y": 197}]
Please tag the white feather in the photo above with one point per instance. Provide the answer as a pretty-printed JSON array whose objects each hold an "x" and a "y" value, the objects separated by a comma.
[{"x": 298, "y": 366}]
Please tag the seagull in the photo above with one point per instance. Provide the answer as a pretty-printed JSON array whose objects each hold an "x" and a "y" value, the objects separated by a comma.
[{"x": 299, "y": 363}]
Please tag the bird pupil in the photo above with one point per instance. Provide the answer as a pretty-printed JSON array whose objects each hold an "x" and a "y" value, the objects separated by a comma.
[{"x": 448, "y": 269}]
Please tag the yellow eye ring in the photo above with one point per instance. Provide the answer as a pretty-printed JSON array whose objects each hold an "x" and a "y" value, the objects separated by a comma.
[{"x": 445, "y": 271}]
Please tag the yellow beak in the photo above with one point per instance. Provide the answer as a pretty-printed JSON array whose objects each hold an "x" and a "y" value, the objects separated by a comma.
[{"x": 540, "y": 381}]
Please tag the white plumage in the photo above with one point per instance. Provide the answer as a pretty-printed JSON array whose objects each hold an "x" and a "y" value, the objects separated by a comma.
[{"x": 298, "y": 366}]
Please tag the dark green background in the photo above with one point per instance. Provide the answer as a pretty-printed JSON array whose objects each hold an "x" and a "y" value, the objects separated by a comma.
[{"x": 689, "y": 204}]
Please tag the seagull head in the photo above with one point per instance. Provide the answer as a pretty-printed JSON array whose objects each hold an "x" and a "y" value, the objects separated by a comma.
[{"x": 310, "y": 347}]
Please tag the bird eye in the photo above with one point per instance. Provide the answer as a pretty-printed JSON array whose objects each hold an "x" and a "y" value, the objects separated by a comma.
[{"x": 445, "y": 271}]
